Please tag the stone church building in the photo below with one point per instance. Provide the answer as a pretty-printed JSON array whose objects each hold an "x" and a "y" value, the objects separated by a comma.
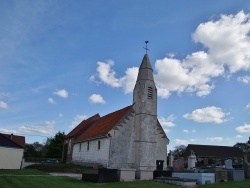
[{"x": 129, "y": 138}]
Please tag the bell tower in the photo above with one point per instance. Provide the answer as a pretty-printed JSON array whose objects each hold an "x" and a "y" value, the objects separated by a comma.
[{"x": 145, "y": 102}]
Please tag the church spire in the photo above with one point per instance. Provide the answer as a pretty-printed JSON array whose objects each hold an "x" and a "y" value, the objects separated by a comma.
[
  {"x": 145, "y": 70},
  {"x": 145, "y": 106}
]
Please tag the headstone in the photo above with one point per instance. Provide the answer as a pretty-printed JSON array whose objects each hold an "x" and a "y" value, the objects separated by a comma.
[
  {"x": 178, "y": 164},
  {"x": 191, "y": 160},
  {"x": 171, "y": 159},
  {"x": 228, "y": 164},
  {"x": 236, "y": 175}
]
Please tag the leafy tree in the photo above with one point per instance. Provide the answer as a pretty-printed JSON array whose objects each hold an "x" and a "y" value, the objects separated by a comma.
[
  {"x": 179, "y": 151},
  {"x": 54, "y": 146},
  {"x": 33, "y": 150},
  {"x": 244, "y": 146}
]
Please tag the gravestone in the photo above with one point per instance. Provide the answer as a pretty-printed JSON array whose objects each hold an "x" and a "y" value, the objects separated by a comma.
[
  {"x": 171, "y": 159},
  {"x": 191, "y": 160},
  {"x": 179, "y": 164},
  {"x": 228, "y": 164}
]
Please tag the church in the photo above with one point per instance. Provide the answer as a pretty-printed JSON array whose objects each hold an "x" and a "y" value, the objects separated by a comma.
[{"x": 129, "y": 138}]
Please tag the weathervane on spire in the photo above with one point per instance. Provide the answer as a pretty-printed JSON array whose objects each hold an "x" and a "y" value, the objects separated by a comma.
[{"x": 146, "y": 48}]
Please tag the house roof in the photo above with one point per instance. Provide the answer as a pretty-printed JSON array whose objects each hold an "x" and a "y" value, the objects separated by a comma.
[
  {"x": 15, "y": 142},
  {"x": 104, "y": 124},
  {"x": 213, "y": 151},
  {"x": 83, "y": 126}
]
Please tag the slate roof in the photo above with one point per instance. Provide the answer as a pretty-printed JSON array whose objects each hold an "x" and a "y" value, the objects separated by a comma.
[
  {"x": 83, "y": 126},
  {"x": 104, "y": 124},
  {"x": 16, "y": 142},
  {"x": 213, "y": 151}
]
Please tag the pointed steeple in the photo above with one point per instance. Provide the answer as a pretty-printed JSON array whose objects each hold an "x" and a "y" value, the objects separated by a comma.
[
  {"x": 145, "y": 70},
  {"x": 145, "y": 121},
  {"x": 145, "y": 64}
]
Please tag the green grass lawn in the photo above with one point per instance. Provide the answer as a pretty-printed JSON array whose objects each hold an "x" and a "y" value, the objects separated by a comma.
[
  {"x": 23, "y": 172},
  {"x": 65, "y": 182},
  {"x": 47, "y": 181}
]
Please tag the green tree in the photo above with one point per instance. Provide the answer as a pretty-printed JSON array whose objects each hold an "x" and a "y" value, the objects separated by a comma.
[
  {"x": 244, "y": 146},
  {"x": 54, "y": 146},
  {"x": 33, "y": 150},
  {"x": 178, "y": 151}
]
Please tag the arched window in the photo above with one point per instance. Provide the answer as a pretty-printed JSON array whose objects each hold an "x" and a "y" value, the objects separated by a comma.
[{"x": 150, "y": 93}]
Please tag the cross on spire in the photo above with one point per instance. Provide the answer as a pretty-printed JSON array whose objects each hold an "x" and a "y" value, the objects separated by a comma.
[{"x": 146, "y": 48}]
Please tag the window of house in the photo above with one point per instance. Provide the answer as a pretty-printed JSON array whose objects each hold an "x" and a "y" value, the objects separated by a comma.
[
  {"x": 69, "y": 147},
  {"x": 99, "y": 144},
  {"x": 88, "y": 146},
  {"x": 150, "y": 92},
  {"x": 80, "y": 146}
]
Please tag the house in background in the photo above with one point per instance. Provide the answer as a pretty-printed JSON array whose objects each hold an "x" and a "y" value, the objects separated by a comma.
[
  {"x": 209, "y": 155},
  {"x": 11, "y": 151},
  {"x": 130, "y": 138}
]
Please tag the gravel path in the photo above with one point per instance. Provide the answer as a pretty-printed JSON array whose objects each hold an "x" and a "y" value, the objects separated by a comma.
[{"x": 72, "y": 175}]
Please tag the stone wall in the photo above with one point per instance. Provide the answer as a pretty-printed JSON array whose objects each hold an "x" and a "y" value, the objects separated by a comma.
[
  {"x": 161, "y": 149},
  {"x": 122, "y": 145},
  {"x": 82, "y": 155}
]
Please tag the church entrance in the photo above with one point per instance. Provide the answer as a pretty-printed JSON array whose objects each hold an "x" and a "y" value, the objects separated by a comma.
[{"x": 159, "y": 164}]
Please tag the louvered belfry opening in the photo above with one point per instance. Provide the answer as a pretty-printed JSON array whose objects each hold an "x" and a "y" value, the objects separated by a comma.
[{"x": 150, "y": 92}]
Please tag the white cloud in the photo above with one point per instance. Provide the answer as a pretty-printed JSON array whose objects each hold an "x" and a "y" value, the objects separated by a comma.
[
  {"x": 60, "y": 115},
  {"x": 194, "y": 131},
  {"x": 215, "y": 139},
  {"x": 244, "y": 128},
  {"x": 96, "y": 98},
  {"x": 128, "y": 81},
  {"x": 226, "y": 42},
  {"x": 248, "y": 107},
  {"x": 51, "y": 100},
  {"x": 210, "y": 114},
  {"x": 193, "y": 140},
  {"x": 62, "y": 93},
  {"x": 108, "y": 76},
  {"x": 184, "y": 142},
  {"x": 7, "y": 131},
  {"x": 238, "y": 136},
  {"x": 3, "y": 105},
  {"x": 48, "y": 128},
  {"x": 77, "y": 120},
  {"x": 181, "y": 142},
  {"x": 167, "y": 122},
  {"x": 244, "y": 79},
  {"x": 185, "y": 131}
]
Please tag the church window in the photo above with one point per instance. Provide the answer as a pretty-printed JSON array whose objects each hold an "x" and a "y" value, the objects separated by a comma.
[
  {"x": 88, "y": 147},
  {"x": 99, "y": 144},
  {"x": 150, "y": 92},
  {"x": 80, "y": 146}
]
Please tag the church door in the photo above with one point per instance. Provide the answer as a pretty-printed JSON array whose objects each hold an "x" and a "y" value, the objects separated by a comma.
[{"x": 159, "y": 164}]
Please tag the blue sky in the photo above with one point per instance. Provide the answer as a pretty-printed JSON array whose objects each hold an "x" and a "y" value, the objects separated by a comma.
[{"x": 64, "y": 61}]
